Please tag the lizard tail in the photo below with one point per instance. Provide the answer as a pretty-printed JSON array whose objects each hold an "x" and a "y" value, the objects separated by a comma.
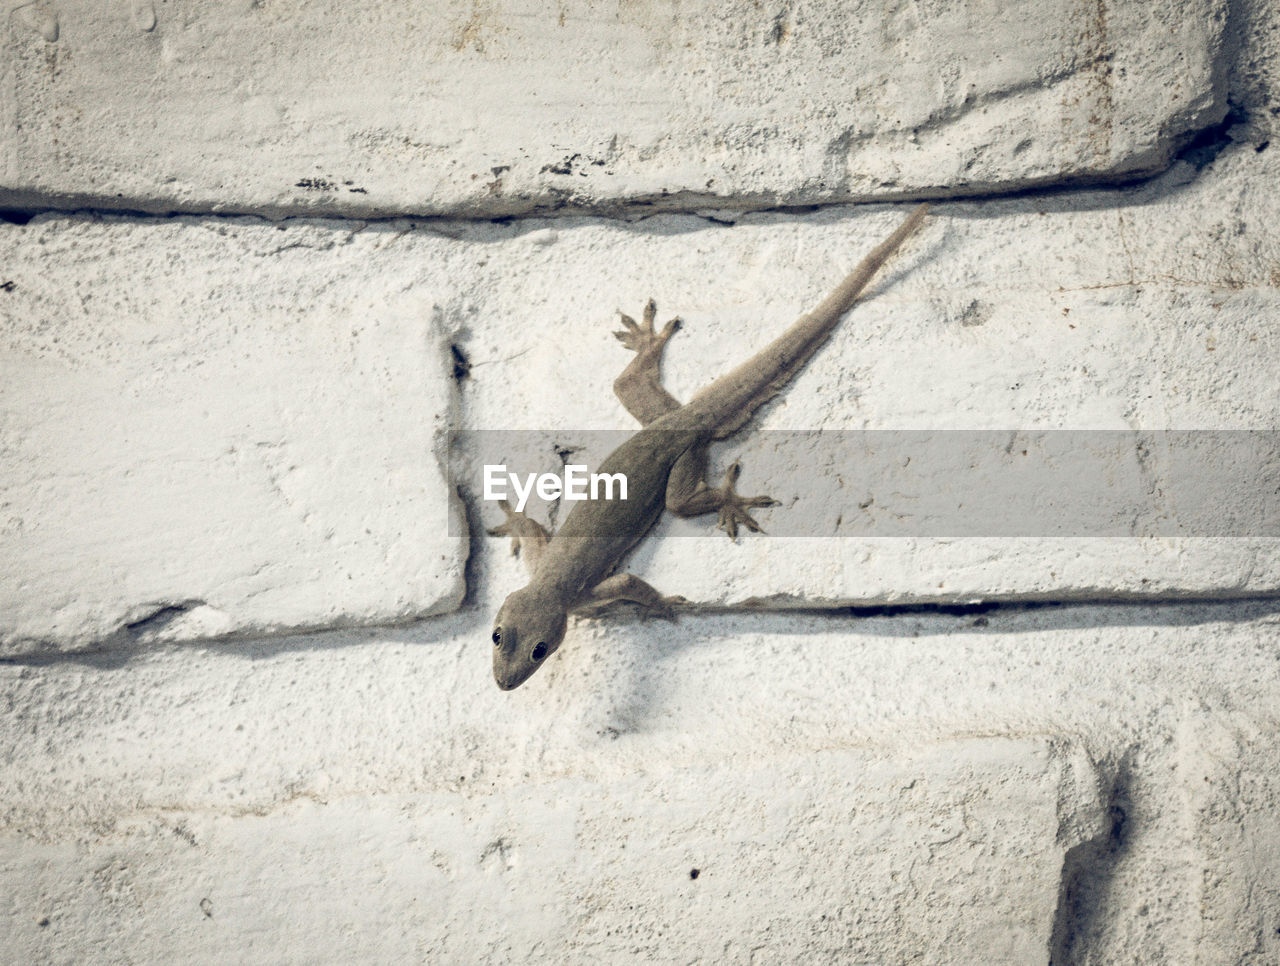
[
  {"x": 739, "y": 393},
  {"x": 846, "y": 293}
]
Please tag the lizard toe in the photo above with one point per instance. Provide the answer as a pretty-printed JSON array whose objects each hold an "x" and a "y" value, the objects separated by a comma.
[{"x": 733, "y": 515}]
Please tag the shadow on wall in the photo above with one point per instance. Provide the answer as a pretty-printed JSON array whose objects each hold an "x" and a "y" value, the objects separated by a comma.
[{"x": 1088, "y": 873}]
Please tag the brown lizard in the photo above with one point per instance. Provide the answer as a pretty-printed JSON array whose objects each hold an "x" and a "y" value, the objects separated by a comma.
[{"x": 665, "y": 464}]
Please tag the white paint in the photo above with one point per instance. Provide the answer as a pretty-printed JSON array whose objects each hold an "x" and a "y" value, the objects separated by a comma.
[
  {"x": 1065, "y": 784},
  {"x": 39, "y": 18},
  {"x": 926, "y": 774},
  {"x": 201, "y": 427},
  {"x": 508, "y": 106},
  {"x": 265, "y": 377},
  {"x": 1090, "y": 319},
  {"x": 589, "y": 870}
]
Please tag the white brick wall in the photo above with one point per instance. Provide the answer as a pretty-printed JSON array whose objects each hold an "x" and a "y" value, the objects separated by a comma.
[
  {"x": 382, "y": 107},
  {"x": 247, "y": 713}
]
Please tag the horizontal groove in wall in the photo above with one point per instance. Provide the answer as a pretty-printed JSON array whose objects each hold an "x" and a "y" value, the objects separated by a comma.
[{"x": 1047, "y": 614}]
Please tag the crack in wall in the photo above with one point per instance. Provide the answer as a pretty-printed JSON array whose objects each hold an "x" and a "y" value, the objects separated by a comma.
[
  {"x": 1199, "y": 148},
  {"x": 161, "y": 617},
  {"x": 983, "y": 617}
]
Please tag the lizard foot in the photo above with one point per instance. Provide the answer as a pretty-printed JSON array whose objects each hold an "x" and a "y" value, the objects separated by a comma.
[
  {"x": 509, "y": 528},
  {"x": 733, "y": 508},
  {"x": 665, "y": 609},
  {"x": 640, "y": 337},
  {"x": 521, "y": 529}
]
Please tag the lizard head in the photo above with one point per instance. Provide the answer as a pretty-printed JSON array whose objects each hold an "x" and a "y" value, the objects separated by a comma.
[{"x": 528, "y": 629}]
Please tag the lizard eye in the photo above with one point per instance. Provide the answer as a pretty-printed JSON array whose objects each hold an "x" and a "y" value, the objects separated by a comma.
[
  {"x": 497, "y": 638},
  {"x": 539, "y": 651}
]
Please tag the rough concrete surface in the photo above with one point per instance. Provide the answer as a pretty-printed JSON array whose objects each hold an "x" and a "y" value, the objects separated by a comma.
[
  {"x": 199, "y": 440},
  {"x": 236, "y": 385},
  {"x": 987, "y": 822},
  {"x": 948, "y": 789},
  {"x": 1102, "y": 314},
  {"x": 227, "y": 496},
  {"x": 508, "y": 106}
]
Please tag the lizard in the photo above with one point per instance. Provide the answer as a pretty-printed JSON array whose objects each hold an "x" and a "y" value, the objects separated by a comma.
[{"x": 665, "y": 464}]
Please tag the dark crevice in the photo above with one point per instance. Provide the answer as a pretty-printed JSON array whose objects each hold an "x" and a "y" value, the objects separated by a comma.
[
  {"x": 1207, "y": 145},
  {"x": 461, "y": 363},
  {"x": 158, "y": 619},
  {"x": 1088, "y": 871},
  {"x": 991, "y": 616},
  {"x": 977, "y": 609},
  {"x": 1183, "y": 610},
  {"x": 470, "y": 510}
]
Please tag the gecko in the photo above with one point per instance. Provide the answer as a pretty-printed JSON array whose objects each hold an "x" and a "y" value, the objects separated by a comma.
[{"x": 665, "y": 463}]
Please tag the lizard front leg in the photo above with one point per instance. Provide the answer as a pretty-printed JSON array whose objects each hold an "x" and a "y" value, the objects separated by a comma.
[
  {"x": 689, "y": 496},
  {"x": 527, "y": 535},
  {"x": 632, "y": 588},
  {"x": 639, "y": 388}
]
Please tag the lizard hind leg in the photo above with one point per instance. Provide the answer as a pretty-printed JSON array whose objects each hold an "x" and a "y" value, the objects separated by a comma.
[
  {"x": 527, "y": 535},
  {"x": 689, "y": 496},
  {"x": 639, "y": 388}
]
